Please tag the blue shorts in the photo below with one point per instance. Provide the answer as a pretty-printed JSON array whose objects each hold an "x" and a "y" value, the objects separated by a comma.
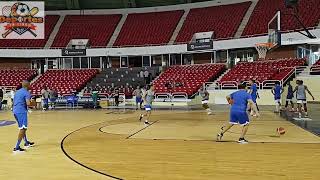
[
  {"x": 22, "y": 120},
  {"x": 277, "y": 97},
  {"x": 239, "y": 117},
  {"x": 138, "y": 100},
  {"x": 148, "y": 107},
  {"x": 254, "y": 98},
  {"x": 53, "y": 99},
  {"x": 45, "y": 101}
]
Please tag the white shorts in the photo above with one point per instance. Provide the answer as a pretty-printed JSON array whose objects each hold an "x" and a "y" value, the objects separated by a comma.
[
  {"x": 289, "y": 100},
  {"x": 205, "y": 101},
  {"x": 301, "y": 101},
  {"x": 277, "y": 101}
]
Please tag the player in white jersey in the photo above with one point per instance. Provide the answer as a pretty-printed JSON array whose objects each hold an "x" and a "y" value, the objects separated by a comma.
[{"x": 205, "y": 99}]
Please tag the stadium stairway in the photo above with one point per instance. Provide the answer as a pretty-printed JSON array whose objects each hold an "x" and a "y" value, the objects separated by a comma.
[
  {"x": 245, "y": 19},
  {"x": 117, "y": 30},
  {"x": 54, "y": 32},
  {"x": 179, "y": 26}
]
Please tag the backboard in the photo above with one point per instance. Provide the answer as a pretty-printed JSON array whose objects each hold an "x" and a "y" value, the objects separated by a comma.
[{"x": 274, "y": 28}]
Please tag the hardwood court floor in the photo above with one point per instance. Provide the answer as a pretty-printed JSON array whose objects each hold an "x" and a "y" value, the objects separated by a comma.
[{"x": 179, "y": 145}]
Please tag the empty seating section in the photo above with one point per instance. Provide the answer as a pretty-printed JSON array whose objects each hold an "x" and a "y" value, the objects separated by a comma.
[
  {"x": 14, "y": 77},
  {"x": 190, "y": 77},
  {"x": 266, "y": 9},
  {"x": 315, "y": 68},
  {"x": 63, "y": 81},
  {"x": 97, "y": 28},
  {"x": 148, "y": 28},
  {"x": 50, "y": 22},
  {"x": 124, "y": 79},
  {"x": 261, "y": 70},
  {"x": 223, "y": 20}
]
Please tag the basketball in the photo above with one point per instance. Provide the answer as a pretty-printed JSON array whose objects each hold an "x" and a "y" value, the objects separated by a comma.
[{"x": 281, "y": 131}]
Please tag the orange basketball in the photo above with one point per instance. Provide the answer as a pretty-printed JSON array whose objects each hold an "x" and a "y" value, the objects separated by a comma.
[{"x": 281, "y": 131}]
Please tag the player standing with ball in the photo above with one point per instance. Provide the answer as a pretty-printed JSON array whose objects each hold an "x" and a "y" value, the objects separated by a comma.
[
  {"x": 238, "y": 112},
  {"x": 21, "y": 102}
]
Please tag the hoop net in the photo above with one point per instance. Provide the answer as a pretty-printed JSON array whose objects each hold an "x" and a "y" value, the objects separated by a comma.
[{"x": 262, "y": 49}]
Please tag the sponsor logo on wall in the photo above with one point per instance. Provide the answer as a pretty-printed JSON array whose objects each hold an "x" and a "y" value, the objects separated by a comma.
[
  {"x": 74, "y": 52},
  {"x": 196, "y": 46}
]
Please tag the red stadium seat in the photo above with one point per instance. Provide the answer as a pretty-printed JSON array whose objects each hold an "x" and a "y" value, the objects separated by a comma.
[
  {"x": 14, "y": 77},
  {"x": 191, "y": 77},
  {"x": 97, "y": 28},
  {"x": 63, "y": 81},
  {"x": 223, "y": 20},
  {"x": 262, "y": 70},
  {"x": 148, "y": 28},
  {"x": 266, "y": 9}
]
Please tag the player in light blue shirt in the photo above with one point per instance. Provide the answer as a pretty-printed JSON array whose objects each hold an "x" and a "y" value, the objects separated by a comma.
[
  {"x": 148, "y": 98},
  {"x": 239, "y": 101},
  {"x": 21, "y": 101},
  {"x": 277, "y": 90}
]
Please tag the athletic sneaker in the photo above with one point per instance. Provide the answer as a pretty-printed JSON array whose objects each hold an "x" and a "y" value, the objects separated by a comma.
[
  {"x": 219, "y": 136},
  {"x": 242, "y": 141},
  {"x": 141, "y": 116},
  {"x": 209, "y": 113},
  {"x": 29, "y": 144},
  {"x": 146, "y": 123},
  {"x": 18, "y": 150}
]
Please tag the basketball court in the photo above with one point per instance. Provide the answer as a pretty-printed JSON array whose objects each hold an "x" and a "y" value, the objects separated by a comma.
[{"x": 177, "y": 145}]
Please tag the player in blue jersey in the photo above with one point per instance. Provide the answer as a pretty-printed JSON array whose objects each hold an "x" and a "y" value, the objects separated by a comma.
[
  {"x": 289, "y": 97},
  {"x": 277, "y": 90},
  {"x": 21, "y": 101},
  {"x": 239, "y": 101},
  {"x": 254, "y": 94}
]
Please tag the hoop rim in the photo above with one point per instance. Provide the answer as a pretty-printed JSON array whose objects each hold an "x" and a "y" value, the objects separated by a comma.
[{"x": 268, "y": 45}]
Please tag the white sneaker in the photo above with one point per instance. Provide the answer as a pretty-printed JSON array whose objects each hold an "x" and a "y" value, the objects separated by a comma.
[{"x": 242, "y": 141}]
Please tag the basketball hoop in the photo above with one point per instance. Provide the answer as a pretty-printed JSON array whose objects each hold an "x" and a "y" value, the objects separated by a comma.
[{"x": 262, "y": 49}]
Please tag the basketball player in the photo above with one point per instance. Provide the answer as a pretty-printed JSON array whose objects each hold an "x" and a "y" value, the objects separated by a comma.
[
  {"x": 238, "y": 112},
  {"x": 138, "y": 93},
  {"x": 254, "y": 94},
  {"x": 277, "y": 90},
  {"x": 21, "y": 102},
  {"x": 205, "y": 99},
  {"x": 148, "y": 99},
  {"x": 289, "y": 97},
  {"x": 302, "y": 97}
]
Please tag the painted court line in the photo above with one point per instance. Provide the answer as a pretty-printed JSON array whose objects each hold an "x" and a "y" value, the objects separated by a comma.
[{"x": 141, "y": 129}]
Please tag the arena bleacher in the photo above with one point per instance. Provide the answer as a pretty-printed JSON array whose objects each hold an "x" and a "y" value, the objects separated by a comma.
[
  {"x": 222, "y": 20},
  {"x": 148, "y": 28},
  {"x": 261, "y": 71},
  {"x": 12, "y": 78},
  {"x": 266, "y": 9},
  {"x": 158, "y": 27},
  {"x": 64, "y": 82},
  {"x": 187, "y": 79},
  {"x": 315, "y": 68},
  {"x": 97, "y": 28}
]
